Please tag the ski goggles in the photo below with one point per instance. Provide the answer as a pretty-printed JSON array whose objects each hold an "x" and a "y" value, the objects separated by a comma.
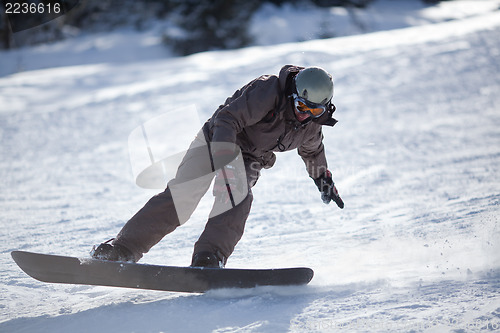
[{"x": 302, "y": 105}]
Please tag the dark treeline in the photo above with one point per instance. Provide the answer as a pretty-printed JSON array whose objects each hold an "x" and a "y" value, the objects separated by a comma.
[{"x": 201, "y": 25}]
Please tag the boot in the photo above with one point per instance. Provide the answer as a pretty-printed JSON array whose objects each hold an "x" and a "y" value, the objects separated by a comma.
[
  {"x": 207, "y": 259},
  {"x": 110, "y": 252}
]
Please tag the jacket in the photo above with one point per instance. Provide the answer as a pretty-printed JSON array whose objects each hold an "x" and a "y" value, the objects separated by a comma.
[{"x": 260, "y": 119}]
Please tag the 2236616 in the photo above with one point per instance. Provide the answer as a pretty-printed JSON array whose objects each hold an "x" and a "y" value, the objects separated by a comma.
[{"x": 32, "y": 8}]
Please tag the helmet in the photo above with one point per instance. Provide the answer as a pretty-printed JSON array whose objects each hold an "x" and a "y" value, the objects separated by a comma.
[{"x": 315, "y": 85}]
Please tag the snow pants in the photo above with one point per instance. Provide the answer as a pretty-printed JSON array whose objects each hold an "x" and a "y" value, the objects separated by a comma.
[{"x": 166, "y": 211}]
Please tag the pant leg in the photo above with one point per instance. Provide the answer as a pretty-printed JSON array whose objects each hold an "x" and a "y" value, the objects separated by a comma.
[
  {"x": 222, "y": 232},
  {"x": 149, "y": 225},
  {"x": 164, "y": 212}
]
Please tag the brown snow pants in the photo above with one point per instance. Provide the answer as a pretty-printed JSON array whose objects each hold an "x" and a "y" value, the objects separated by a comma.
[{"x": 164, "y": 212}]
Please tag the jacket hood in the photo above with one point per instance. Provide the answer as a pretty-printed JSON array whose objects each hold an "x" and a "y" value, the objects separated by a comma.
[
  {"x": 285, "y": 73},
  {"x": 285, "y": 76}
]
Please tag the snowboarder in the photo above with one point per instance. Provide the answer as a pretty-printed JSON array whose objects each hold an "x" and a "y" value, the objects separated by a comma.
[{"x": 270, "y": 114}]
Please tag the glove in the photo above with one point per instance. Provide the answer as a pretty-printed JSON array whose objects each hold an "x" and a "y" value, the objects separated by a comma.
[
  {"x": 228, "y": 185},
  {"x": 328, "y": 190},
  {"x": 225, "y": 178}
]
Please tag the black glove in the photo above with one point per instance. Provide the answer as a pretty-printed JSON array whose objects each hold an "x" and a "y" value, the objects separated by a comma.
[
  {"x": 225, "y": 180},
  {"x": 328, "y": 190}
]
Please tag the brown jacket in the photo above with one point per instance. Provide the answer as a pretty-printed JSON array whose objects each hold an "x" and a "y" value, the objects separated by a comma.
[{"x": 259, "y": 118}]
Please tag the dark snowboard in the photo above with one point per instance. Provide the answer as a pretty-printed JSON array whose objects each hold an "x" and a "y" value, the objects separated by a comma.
[{"x": 59, "y": 269}]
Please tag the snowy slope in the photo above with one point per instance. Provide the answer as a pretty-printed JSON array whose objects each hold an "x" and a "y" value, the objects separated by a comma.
[{"x": 415, "y": 155}]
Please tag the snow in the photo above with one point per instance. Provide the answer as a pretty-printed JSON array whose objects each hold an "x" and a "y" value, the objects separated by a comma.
[
  {"x": 415, "y": 156},
  {"x": 290, "y": 23}
]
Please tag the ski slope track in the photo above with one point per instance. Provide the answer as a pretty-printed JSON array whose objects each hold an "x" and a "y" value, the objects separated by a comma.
[{"x": 415, "y": 156}]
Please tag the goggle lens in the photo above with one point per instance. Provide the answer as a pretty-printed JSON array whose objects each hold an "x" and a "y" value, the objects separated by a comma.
[
  {"x": 304, "y": 106},
  {"x": 314, "y": 111}
]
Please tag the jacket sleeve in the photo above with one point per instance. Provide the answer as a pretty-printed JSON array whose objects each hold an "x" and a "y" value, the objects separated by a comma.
[
  {"x": 312, "y": 152},
  {"x": 246, "y": 107}
]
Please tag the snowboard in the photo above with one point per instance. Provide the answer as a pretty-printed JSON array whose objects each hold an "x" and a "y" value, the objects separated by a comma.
[{"x": 87, "y": 271}]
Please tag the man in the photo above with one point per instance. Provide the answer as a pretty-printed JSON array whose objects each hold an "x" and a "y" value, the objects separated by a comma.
[{"x": 269, "y": 114}]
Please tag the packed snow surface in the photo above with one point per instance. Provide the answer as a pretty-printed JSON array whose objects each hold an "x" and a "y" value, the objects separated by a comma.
[{"x": 415, "y": 156}]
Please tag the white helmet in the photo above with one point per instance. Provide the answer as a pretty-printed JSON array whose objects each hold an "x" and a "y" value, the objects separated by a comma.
[{"x": 315, "y": 85}]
